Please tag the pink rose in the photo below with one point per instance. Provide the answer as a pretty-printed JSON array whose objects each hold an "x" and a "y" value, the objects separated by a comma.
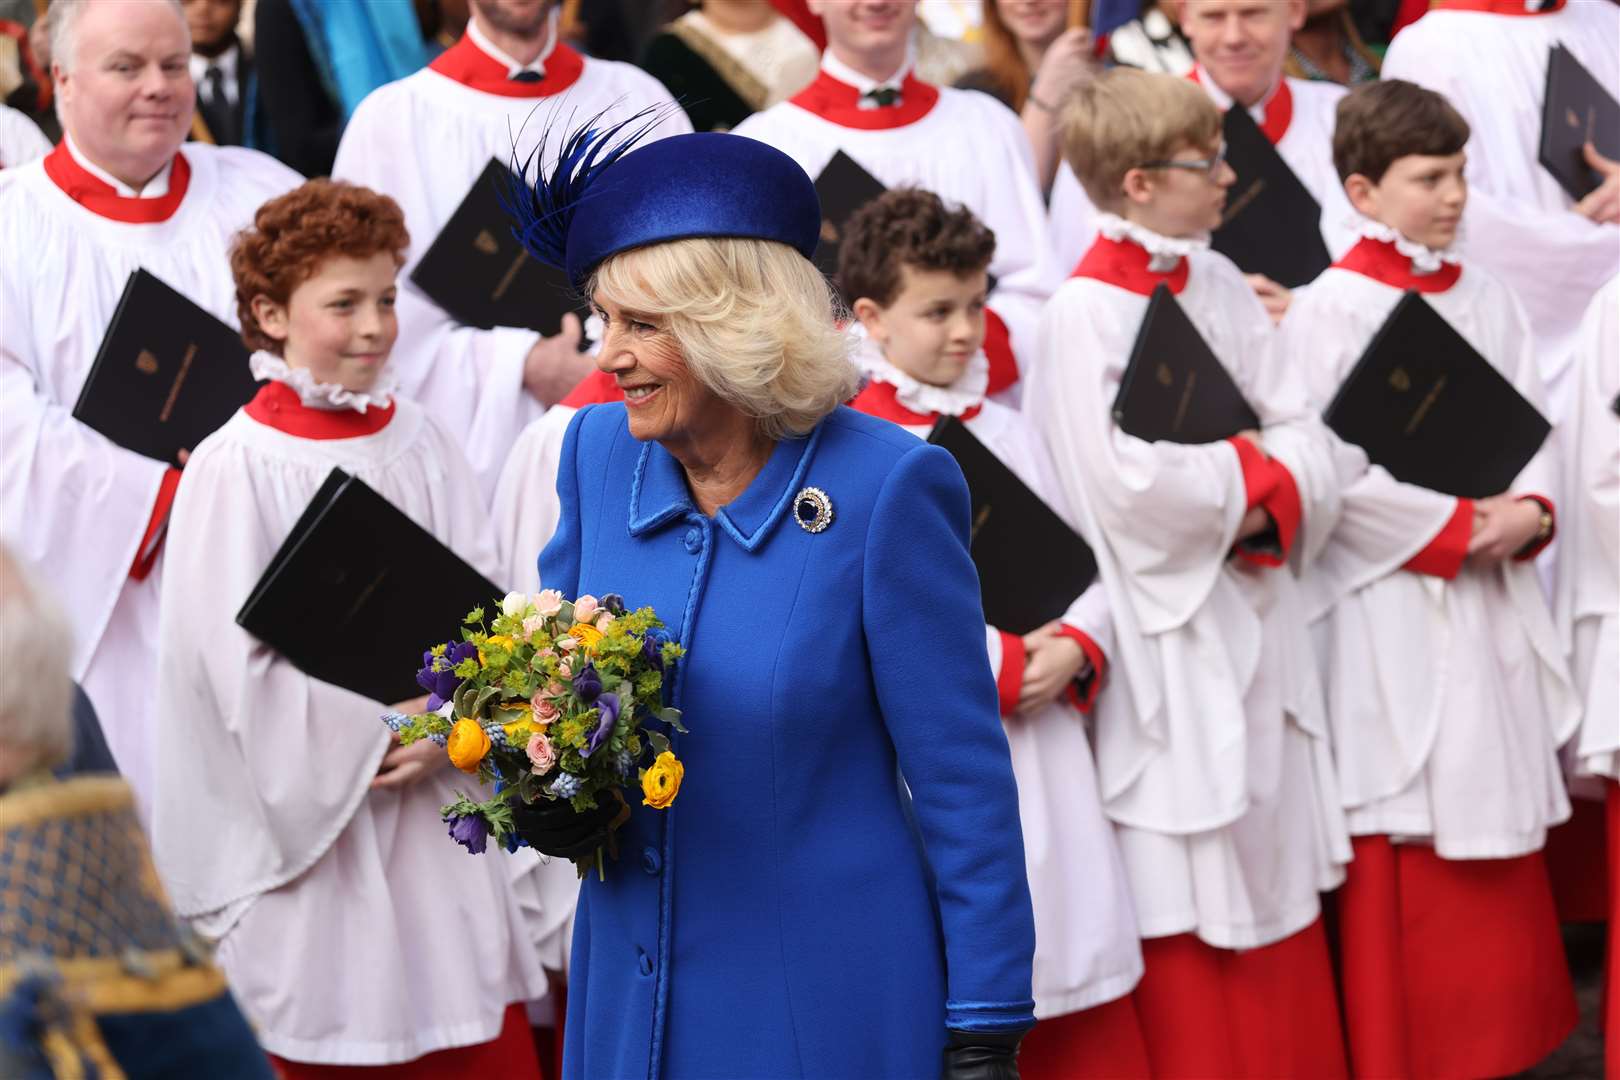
[
  {"x": 565, "y": 669},
  {"x": 532, "y": 626},
  {"x": 542, "y": 755},
  {"x": 543, "y": 710},
  {"x": 553, "y": 689},
  {"x": 585, "y": 608},
  {"x": 604, "y": 619},
  {"x": 548, "y": 602}
]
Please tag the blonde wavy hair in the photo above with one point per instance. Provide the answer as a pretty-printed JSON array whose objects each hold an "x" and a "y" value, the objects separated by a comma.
[{"x": 756, "y": 322}]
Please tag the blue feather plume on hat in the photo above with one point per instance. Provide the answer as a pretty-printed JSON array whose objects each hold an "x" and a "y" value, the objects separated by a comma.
[{"x": 542, "y": 206}]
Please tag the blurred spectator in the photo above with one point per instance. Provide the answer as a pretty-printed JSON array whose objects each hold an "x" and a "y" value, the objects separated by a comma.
[
  {"x": 1152, "y": 41},
  {"x": 25, "y": 64},
  {"x": 1329, "y": 47},
  {"x": 222, "y": 68},
  {"x": 318, "y": 58},
  {"x": 731, "y": 58}
]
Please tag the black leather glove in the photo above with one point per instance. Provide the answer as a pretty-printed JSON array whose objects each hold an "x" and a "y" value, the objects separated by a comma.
[
  {"x": 981, "y": 1055},
  {"x": 555, "y": 828}
]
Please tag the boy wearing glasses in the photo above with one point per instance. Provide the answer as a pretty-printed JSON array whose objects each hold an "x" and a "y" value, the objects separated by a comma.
[
  {"x": 1212, "y": 751},
  {"x": 1447, "y": 690}
]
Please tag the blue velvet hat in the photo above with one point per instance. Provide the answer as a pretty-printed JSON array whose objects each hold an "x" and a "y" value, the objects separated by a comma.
[{"x": 602, "y": 199}]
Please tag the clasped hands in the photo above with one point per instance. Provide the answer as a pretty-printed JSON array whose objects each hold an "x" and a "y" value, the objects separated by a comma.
[
  {"x": 1504, "y": 525},
  {"x": 1052, "y": 660},
  {"x": 402, "y": 766}
]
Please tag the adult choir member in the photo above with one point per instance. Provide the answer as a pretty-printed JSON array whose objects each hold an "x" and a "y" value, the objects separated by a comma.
[
  {"x": 798, "y": 911},
  {"x": 964, "y": 146},
  {"x": 423, "y": 140},
  {"x": 1448, "y": 693},
  {"x": 118, "y": 193},
  {"x": 1489, "y": 58},
  {"x": 1212, "y": 745},
  {"x": 352, "y": 930}
]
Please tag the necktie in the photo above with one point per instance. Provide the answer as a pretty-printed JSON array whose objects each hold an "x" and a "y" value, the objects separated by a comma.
[
  {"x": 217, "y": 112},
  {"x": 526, "y": 77},
  {"x": 880, "y": 97}
]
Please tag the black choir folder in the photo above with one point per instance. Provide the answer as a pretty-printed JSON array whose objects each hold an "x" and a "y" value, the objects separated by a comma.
[
  {"x": 1576, "y": 110},
  {"x": 1272, "y": 224},
  {"x": 358, "y": 590},
  {"x": 478, "y": 272},
  {"x": 1174, "y": 388},
  {"x": 1031, "y": 564},
  {"x": 167, "y": 373},
  {"x": 843, "y": 188},
  {"x": 1428, "y": 408}
]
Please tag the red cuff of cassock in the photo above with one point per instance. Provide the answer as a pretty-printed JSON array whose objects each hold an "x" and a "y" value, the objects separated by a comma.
[
  {"x": 1082, "y": 692},
  {"x": 1268, "y": 484},
  {"x": 1537, "y": 546},
  {"x": 1010, "y": 679},
  {"x": 1444, "y": 555},
  {"x": 152, "y": 540},
  {"x": 998, "y": 350}
]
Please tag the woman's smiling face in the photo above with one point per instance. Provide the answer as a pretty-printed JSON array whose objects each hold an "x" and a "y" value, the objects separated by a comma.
[{"x": 663, "y": 399}]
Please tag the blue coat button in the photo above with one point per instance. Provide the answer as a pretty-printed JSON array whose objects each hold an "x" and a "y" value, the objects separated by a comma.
[
  {"x": 693, "y": 540},
  {"x": 644, "y": 963},
  {"x": 651, "y": 861}
]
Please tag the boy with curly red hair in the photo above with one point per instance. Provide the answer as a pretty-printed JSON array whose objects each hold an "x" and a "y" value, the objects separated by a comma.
[{"x": 329, "y": 894}]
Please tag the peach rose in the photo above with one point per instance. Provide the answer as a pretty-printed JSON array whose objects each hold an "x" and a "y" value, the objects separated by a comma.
[
  {"x": 548, "y": 602},
  {"x": 585, "y": 608},
  {"x": 542, "y": 755}
]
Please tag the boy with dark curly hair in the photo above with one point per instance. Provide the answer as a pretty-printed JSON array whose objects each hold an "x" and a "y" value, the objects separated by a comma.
[{"x": 329, "y": 888}]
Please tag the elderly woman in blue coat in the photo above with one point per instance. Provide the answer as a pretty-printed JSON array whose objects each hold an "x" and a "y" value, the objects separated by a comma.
[{"x": 839, "y": 889}]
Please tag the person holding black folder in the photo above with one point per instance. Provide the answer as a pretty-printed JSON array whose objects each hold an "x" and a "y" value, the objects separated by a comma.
[
  {"x": 1212, "y": 750},
  {"x": 119, "y": 194},
  {"x": 964, "y": 146},
  {"x": 328, "y": 889},
  {"x": 914, "y": 273},
  {"x": 1448, "y": 692},
  {"x": 1490, "y": 59},
  {"x": 424, "y": 140}
]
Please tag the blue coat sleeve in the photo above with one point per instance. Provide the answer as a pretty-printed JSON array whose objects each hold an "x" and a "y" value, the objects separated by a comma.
[
  {"x": 924, "y": 627},
  {"x": 559, "y": 562}
]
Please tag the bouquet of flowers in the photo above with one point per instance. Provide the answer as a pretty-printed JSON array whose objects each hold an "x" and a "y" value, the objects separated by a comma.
[{"x": 550, "y": 701}]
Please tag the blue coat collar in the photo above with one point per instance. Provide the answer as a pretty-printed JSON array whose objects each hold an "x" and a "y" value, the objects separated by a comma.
[{"x": 658, "y": 492}]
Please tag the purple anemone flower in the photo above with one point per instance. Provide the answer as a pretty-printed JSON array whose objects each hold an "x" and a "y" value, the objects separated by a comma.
[
  {"x": 438, "y": 673},
  {"x": 588, "y": 684},
  {"x": 470, "y": 831},
  {"x": 608, "y": 706}
]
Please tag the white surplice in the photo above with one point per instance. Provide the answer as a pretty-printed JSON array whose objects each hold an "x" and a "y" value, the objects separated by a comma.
[
  {"x": 423, "y": 140},
  {"x": 1447, "y": 700},
  {"x": 21, "y": 141},
  {"x": 1519, "y": 225},
  {"x": 969, "y": 149},
  {"x": 71, "y": 502},
  {"x": 1087, "y": 949},
  {"x": 1589, "y": 587},
  {"x": 526, "y": 507},
  {"x": 1212, "y": 744},
  {"x": 352, "y": 929}
]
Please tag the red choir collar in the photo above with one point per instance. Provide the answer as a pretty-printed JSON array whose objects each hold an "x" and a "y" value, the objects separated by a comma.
[
  {"x": 1498, "y": 7},
  {"x": 597, "y": 388},
  {"x": 838, "y": 102},
  {"x": 1279, "y": 107},
  {"x": 880, "y": 399},
  {"x": 277, "y": 405},
  {"x": 472, "y": 67},
  {"x": 1125, "y": 263},
  {"x": 101, "y": 198},
  {"x": 1379, "y": 260}
]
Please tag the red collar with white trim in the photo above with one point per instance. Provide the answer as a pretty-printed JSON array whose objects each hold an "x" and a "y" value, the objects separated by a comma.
[
  {"x": 1501, "y": 7},
  {"x": 472, "y": 67},
  {"x": 1379, "y": 260},
  {"x": 881, "y": 399},
  {"x": 1125, "y": 263},
  {"x": 102, "y": 199},
  {"x": 839, "y": 103},
  {"x": 1279, "y": 107},
  {"x": 277, "y": 405}
]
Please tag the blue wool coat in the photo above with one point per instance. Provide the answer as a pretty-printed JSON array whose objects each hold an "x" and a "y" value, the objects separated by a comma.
[{"x": 795, "y": 914}]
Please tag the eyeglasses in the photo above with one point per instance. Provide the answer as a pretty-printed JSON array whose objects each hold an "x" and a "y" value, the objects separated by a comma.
[{"x": 1204, "y": 165}]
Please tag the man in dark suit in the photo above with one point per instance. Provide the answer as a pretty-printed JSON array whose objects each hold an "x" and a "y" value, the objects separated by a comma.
[{"x": 222, "y": 70}]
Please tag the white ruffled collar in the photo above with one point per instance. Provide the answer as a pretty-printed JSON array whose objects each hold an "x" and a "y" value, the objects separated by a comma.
[
  {"x": 965, "y": 393},
  {"x": 1425, "y": 260},
  {"x": 1164, "y": 252},
  {"x": 329, "y": 397}
]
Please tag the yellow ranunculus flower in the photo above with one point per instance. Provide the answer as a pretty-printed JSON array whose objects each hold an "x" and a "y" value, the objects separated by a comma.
[
  {"x": 497, "y": 640},
  {"x": 520, "y": 727},
  {"x": 662, "y": 781},
  {"x": 587, "y": 635},
  {"x": 467, "y": 745}
]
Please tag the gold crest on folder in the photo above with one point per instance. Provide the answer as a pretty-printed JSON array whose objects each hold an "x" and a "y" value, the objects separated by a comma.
[
  {"x": 486, "y": 243},
  {"x": 1163, "y": 374},
  {"x": 146, "y": 363},
  {"x": 1400, "y": 381}
]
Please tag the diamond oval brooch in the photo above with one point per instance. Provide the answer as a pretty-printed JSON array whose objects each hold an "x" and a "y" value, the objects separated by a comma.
[{"x": 812, "y": 509}]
